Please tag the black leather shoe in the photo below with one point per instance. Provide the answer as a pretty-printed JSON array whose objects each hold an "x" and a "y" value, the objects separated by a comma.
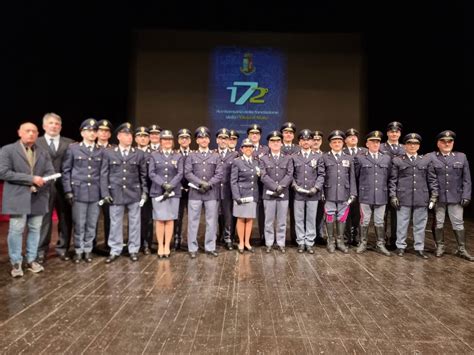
[
  {"x": 134, "y": 256},
  {"x": 421, "y": 254},
  {"x": 229, "y": 245},
  {"x": 88, "y": 257},
  {"x": 268, "y": 250},
  {"x": 310, "y": 249},
  {"x": 212, "y": 252},
  {"x": 400, "y": 252},
  {"x": 64, "y": 257},
  {"x": 111, "y": 258},
  {"x": 300, "y": 248},
  {"x": 192, "y": 255},
  {"x": 282, "y": 249},
  {"x": 77, "y": 258},
  {"x": 146, "y": 251}
]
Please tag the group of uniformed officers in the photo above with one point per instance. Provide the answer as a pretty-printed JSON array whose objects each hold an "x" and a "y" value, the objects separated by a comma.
[{"x": 343, "y": 187}]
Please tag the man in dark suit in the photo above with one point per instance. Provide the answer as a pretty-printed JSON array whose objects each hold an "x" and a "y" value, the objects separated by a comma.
[
  {"x": 23, "y": 166},
  {"x": 56, "y": 146}
]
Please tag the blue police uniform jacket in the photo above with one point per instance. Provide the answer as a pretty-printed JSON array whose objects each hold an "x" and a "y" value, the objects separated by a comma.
[
  {"x": 307, "y": 174},
  {"x": 244, "y": 179},
  {"x": 454, "y": 176},
  {"x": 81, "y": 172},
  {"x": 413, "y": 182},
  {"x": 276, "y": 172},
  {"x": 184, "y": 181},
  {"x": 201, "y": 167},
  {"x": 260, "y": 152},
  {"x": 396, "y": 151},
  {"x": 124, "y": 178},
  {"x": 164, "y": 169},
  {"x": 290, "y": 149},
  {"x": 372, "y": 178},
  {"x": 339, "y": 179},
  {"x": 227, "y": 162},
  {"x": 358, "y": 150}
]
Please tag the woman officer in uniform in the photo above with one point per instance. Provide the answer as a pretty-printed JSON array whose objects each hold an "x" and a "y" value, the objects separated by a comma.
[
  {"x": 243, "y": 178},
  {"x": 166, "y": 172}
]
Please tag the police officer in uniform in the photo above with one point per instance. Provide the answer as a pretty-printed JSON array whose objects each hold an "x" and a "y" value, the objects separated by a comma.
[
  {"x": 104, "y": 133},
  {"x": 244, "y": 185},
  {"x": 308, "y": 180},
  {"x": 454, "y": 179},
  {"x": 316, "y": 148},
  {"x": 203, "y": 169},
  {"x": 142, "y": 140},
  {"x": 184, "y": 141},
  {"x": 81, "y": 175},
  {"x": 372, "y": 170},
  {"x": 340, "y": 189},
  {"x": 166, "y": 173},
  {"x": 393, "y": 148},
  {"x": 353, "y": 219},
  {"x": 225, "y": 205},
  {"x": 413, "y": 189},
  {"x": 288, "y": 130},
  {"x": 154, "y": 131},
  {"x": 233, "y": 139},
  {"x": 254, "y": 133},
  {"x": 276, "y": 175},
  {"x": 124, "y": 186}
]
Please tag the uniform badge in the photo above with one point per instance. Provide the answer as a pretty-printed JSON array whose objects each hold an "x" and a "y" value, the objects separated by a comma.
[
  {"x": 346, "y": 163},
  {"x": 175, "y": 163},
  {"x": 257, "y": 169},
  {"x": 314, "y": 163}
]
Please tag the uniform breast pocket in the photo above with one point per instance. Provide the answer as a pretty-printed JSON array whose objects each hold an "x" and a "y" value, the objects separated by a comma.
[
  {"x": 114, "y": 166},
  {"x": 133, "y": 166},
  {"x": 80, "y": 160},
  {"x": 97, "y": 162},
  {"x": 367, "y": 166}
]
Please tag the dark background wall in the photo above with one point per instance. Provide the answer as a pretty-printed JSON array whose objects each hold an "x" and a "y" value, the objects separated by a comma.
[
  {"x": 76, "y": 59},
  {"x": 324, "y": 77}
]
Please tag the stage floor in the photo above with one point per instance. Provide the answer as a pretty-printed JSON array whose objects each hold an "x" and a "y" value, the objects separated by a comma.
[{"x": 251, "y": 303}]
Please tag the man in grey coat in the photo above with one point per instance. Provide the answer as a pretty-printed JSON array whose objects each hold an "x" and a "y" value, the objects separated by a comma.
[
  {"x": 454, "y": 179},
  {"x": 25, "y": 195}
]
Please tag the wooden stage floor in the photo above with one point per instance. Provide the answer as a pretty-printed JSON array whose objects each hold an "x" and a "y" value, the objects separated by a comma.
[{"x": 251, "y": 303}]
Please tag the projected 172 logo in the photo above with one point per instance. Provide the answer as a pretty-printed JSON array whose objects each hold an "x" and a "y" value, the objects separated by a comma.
[{"x": 253, "y": 93}]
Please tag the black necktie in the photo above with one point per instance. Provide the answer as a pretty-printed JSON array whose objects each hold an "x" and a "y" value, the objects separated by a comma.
[
  {"x": 52, "y": 146},
  {"x": 412, "y": 158},
  {"x": 125, "y": 153},
  {"x": 336, "y": 156},
  {"x": 353, "y": 151}
]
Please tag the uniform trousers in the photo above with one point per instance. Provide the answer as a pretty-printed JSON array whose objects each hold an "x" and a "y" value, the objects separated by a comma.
[
  {"x": 305, "y": 221},
  {"x": 194, "y": 214},
  {"x": 84, "y": 216},
  {"x": 420, "y": 217},
  {"x": 116, "y": 228}
]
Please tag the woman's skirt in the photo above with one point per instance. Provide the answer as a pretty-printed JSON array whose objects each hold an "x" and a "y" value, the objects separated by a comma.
[{"x": 166, "y": 210}]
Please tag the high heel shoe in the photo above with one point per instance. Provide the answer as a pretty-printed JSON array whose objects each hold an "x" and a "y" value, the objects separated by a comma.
[
  {"x": 250, "y": 249},
  {"x": 241, "y": 251},
  {"x": 166, "y": 256}
]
